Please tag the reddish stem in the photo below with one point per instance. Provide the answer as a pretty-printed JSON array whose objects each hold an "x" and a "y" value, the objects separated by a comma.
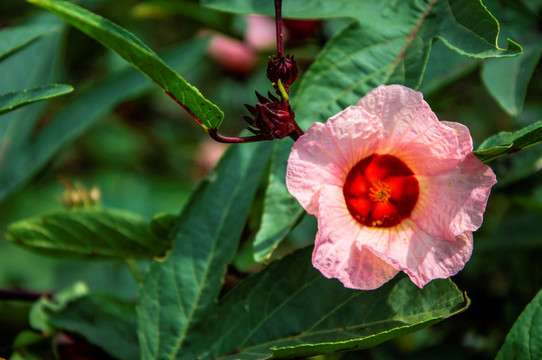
[
  {"x": 297, "y": 133},
  {"x": 278, "y": 21},
  {"x": 213, "y": 133},
  {"x": 21, "y": 295}
]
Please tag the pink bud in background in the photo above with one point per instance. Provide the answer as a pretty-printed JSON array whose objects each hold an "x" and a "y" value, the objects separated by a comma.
[
  {"x": 233, "y": 55},
  {"x": 260, "y": 34}
]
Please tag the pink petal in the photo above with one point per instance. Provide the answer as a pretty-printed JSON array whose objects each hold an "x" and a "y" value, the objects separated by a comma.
[
  {"x": 411, "y": 131},
  {"x": 454, "y": 202},
  {"x": 422, "y": 257},
  {"x": 463, "y": 135},
  {"x": 335, "y": 253},
  {"x": 326, "y": 152}
]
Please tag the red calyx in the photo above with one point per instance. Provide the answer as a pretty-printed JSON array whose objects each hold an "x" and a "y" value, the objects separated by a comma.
[
  {"x": 273, "y": 118},
  {"x": 283, "y": 68}
]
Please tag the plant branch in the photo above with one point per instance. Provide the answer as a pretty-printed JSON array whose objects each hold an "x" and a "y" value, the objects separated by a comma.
[{"x": 278, "y": 21}]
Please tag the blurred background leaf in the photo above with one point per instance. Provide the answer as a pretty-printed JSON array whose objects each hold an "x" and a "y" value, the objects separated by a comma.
[{"x": 14, "y": 100}]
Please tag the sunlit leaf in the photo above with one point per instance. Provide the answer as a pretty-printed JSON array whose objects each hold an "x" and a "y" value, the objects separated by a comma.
[
  {"x": 140, "y": 56},
  {"x": 14, "y": 100},
  {"x": 88, "y": 234},
  {"x": 505, "y": 142}
]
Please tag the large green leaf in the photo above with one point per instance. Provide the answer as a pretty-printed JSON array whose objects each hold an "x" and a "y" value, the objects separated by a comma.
[
  {"x": 389, "y": 44},
  {"x": 106, "y": 322},
  {"x": 525, "y": 339},
  {"x": 16, "y": 38},
  {"x": 290, "y": 310},
  {"x": 281, "y": 209},
  {"x": 140, "y": 56},
  {"x": 177, "y": 292},
  {"x": 505, "y": 142},
  {"x": 17, "y": 99},
  {"x": 88, "y": 234},
  {"x": 28, "y": 152}
]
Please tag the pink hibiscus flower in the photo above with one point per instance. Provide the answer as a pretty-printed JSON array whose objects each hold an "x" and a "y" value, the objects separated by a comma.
[{"x": 393, "y": 189}]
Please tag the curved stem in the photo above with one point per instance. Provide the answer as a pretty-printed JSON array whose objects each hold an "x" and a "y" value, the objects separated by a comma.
[
  {"x": 213, "y": 133},
  {"x": 297, "y": 132},
  {"x": 278, "y": 21}
]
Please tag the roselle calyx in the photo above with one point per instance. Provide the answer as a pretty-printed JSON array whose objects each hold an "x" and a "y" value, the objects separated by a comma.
[
  {"x": 272, "y": 118},
  {"x": 282, "y": 68}
]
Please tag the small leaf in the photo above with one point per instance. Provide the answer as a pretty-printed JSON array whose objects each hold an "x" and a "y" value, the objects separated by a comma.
[
  {"x": 140, "y": 56},
  {"x": 88, "y": 234},
  {"x": 16, "y": 99},
  {"x": 177, "y": 292},
  {"x": 44, "y": 307},
  {"x": 255, "y": 319},
  {"x": 505, "y": 142},
  {"x": 525, "y": 339},
  {"x": 106, "y": 322}
]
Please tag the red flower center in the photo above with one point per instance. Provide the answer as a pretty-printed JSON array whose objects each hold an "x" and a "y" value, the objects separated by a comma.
[{"x": 381, "y": 191}]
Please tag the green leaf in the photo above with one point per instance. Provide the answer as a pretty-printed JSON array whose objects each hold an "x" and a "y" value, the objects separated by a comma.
[
  {"x": 140, "y": 56},
  {"x": 15, "y": 38},
  {"x": 444, "y": 66},
  {"x": 471, "y": 30},
  {"x": 44, "y": 307},
  {"x": 104, "y": 321},
  {"x": 281, "y": 209},
  {"x": 162, "y": 224},
  {"x": 464, "y": 25},
  {"x": 88, "y": 234},
  {"x": 168, "y": 9},
  {"x": 290, "y": 310},
  {"x": 16, "y": 99},
  {"x": 506, "y": 79},
  {"x": 176, "y": 292},
  {"x": 505, "y": 143},
  {"x": 27, "y": 152},
  {"x": 525, "y": 339}
]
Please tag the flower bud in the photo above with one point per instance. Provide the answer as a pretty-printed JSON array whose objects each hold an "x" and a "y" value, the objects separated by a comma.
[
  {"x": 283, "y": 68},
  {"x": 273, "y": 118}
]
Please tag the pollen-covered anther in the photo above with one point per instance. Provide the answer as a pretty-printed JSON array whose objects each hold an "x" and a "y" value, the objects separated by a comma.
[{"x": 379, "y": 191}]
